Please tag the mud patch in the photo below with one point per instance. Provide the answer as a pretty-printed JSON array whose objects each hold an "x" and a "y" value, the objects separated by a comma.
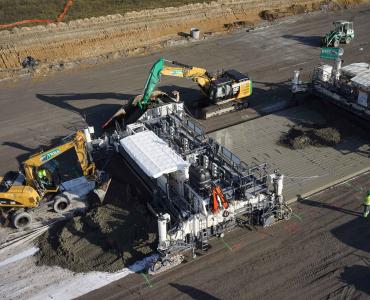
[
  {"x": 303, "y": 135},
  {"x": 107, "y": 238},
  {"x": 271, "y": 15}
]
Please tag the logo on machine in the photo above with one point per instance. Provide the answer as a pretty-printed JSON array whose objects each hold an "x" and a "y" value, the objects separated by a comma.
[
  {"x": 49, "y": 154},
  {"x": 176, "y": 72}
]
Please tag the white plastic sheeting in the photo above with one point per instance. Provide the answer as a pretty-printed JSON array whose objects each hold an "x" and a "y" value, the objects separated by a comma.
[
  {"x": 152, "y": 154},
  {"x": 68, "y": 286},
  {"x": 362, "y": 80},
  {"x": 83, "y": 283},
  {"x": 355, "y": 68},
  {"x": 78, "y": 187}
]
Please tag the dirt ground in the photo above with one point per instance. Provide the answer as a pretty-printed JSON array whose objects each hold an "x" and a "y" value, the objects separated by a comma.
[
  {"x": 108, "y": 238},
  {"x": 323, "y": 252},
  {"x": 97, "y": 39}
]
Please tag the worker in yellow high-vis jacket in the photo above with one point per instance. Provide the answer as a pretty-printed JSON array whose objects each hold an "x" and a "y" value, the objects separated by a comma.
[{"x": 367, "y": 204}]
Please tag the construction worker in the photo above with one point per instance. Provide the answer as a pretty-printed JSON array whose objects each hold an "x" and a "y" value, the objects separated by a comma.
[
  {"x": 41, "y": 173},
  {"x": 367, "y": 204}
]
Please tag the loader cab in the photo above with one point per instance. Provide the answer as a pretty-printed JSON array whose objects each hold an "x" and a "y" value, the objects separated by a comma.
[
  {"x": 344, "y": 27},
  {"x": 343, "y": 30}
]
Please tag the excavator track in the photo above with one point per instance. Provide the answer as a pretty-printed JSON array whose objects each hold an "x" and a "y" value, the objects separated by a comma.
[{"x": 218, "y": 110}]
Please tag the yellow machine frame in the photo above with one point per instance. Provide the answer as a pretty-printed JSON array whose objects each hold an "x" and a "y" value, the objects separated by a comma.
[
  {"x": 204, "y": 79},
  {"x": 30, "y": 194}
]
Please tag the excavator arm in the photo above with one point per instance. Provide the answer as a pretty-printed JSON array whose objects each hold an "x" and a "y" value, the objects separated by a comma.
[
  {"x": 198, "y": 75},
  {"x": 31, "y": 165}
]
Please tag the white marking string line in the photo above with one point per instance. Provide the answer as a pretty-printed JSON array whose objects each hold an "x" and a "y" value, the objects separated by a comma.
[
  {"x": 19, "y": 256},
  {"x": 23, "y": 239},
  {"x": 308, "y": 177},
  {"x": 295, "y": 65}
]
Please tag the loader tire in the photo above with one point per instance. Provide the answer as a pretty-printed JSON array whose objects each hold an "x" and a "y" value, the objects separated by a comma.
[
  {"x": 61, "y": 204},
  {"x": 21, "y": 219}
]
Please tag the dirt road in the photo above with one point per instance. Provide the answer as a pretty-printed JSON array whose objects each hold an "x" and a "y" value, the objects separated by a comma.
[
  {"x": 38, "y": 110},
  {"x": 323, "y": 252}
]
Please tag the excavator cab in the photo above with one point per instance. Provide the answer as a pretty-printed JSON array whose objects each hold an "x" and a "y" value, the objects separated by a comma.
[
  {"x": 229, "y": 85},
  {"x": 220, "y": 90},
  {"x": 44, "y": 177}
]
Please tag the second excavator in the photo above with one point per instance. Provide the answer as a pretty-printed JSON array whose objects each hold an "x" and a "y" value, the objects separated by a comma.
[
  {"x": 226, "y": 92},
  {"x": 44, "y": 177}
]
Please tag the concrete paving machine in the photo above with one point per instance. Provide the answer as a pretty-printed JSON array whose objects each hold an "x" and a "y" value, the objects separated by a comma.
[
  {"x": 342, "y": 33},
  {"x": 199, "y": 188},
  {"x": 47, "y": 176},
  {"x": 226, "y": 92},
  {"x": 344, "y": 87}
]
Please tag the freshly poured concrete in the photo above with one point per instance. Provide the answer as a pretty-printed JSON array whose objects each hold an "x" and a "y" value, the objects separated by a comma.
[{"x": 306, "y": 171}]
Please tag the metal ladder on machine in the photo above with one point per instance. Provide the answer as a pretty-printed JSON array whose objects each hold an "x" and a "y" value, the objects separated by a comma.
[
  {"x": 204, "y": 240},
  {"x": 204, "y": 235}
]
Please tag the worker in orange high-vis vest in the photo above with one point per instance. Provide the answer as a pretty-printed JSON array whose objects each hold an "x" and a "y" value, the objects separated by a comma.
[{"x": 367, "y": 204}]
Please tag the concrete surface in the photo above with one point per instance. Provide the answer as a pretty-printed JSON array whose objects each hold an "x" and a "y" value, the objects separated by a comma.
[
  {"x": 323, "y": 252},
  {"x": 35, "y": 111},
  {"x": 306, "y": 170}
]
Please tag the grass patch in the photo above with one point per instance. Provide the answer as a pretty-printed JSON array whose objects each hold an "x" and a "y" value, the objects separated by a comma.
[{"x": 17, "y": 10}]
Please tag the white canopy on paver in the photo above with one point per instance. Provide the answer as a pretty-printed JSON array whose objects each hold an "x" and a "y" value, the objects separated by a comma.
[{"x": 152, "y": 154}]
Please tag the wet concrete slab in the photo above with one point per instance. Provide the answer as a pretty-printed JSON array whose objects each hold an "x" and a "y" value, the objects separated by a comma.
[{"x": 306, "y": 171}]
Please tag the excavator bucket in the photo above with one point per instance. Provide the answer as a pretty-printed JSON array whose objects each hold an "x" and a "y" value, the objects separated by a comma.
[
  {"x": 120, "y": 114},
  {"x": 130, "y": 112},
  {"x": 103, "y": 181},
  {"x": 102, "y": 190}
]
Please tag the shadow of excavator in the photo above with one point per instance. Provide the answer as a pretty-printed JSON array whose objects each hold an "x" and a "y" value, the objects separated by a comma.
[
  {"x": 193, "y": 292},
  {"x": 94, "y": 115}
]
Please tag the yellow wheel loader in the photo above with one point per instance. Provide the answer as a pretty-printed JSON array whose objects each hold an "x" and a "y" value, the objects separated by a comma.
[{"x": 41, "y": 179}]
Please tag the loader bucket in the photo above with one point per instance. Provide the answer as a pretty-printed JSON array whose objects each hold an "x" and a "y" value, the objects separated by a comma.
[{"x": 102, "y": 189}]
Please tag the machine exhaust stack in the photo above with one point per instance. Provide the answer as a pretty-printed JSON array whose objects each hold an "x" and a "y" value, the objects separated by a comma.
[
  {"x": 297, "y": 85},
  {"x": 162, "y": 229}
]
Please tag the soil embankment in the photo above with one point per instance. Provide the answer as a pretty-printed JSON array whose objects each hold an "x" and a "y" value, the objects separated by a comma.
[{"x": 94, "y": 39}]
